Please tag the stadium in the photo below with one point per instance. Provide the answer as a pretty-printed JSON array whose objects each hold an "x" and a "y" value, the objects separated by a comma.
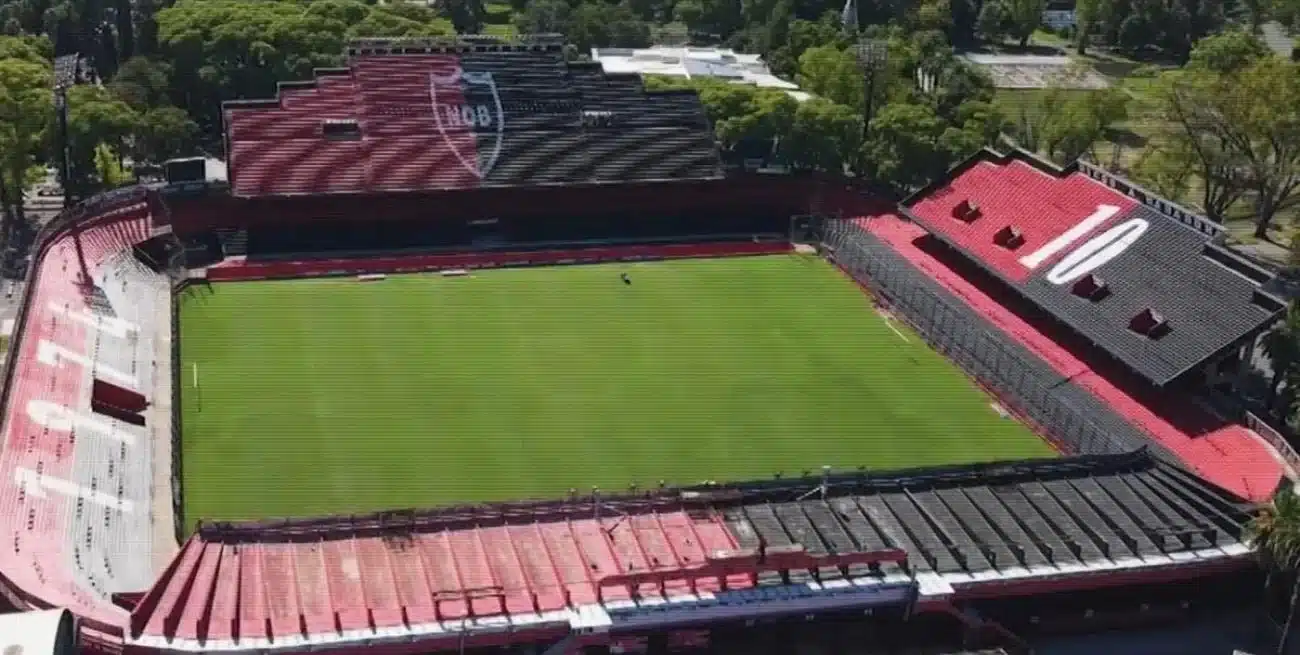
[{"x": 482, "y": 349}]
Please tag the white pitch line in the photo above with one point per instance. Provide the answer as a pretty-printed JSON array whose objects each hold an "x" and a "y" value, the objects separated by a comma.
[
  {"x": 896, "y": 331},
  {"x": 889, "y": 321}
]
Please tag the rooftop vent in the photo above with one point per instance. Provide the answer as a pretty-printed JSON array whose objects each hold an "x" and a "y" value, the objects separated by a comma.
[
  {"x": 341, "y": 129},
  {"x": 1091, "y": 287},
  {"x": 966, "y": 211},
  {"x": 1149, "y": 324},
  {"x": 597, "y": 118},
  {"x": 1009, "y": 238}
]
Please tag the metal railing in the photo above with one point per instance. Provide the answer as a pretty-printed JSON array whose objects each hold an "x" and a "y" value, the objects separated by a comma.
[
  {"x": 1024, "y": 389},
  {"x": 1276, "y": 440}
]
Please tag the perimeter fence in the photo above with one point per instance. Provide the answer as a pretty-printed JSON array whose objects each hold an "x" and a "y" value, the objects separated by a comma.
[{"x": 1025, "y": 387}]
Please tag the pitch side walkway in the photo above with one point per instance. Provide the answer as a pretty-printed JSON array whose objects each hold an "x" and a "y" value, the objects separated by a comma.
[{"x": 1227, "y": 454}]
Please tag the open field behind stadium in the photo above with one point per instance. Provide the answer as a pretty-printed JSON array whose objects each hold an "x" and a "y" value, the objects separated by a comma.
[{"x": 330, "y": 395}]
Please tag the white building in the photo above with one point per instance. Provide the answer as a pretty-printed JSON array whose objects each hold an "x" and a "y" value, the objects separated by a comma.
[
  {"x": 688, "y": 62},
  {"x": 48, "y": 632}
]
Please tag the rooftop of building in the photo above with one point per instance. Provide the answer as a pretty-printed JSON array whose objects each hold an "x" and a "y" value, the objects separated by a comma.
[
  {"x": 689, "y": 62},
  {"x": 1144, "y": 281},
  {"x": 683, "y": 556}
]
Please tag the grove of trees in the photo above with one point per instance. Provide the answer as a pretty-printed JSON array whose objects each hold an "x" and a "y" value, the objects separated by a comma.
[{"x": 162, "y": 68}]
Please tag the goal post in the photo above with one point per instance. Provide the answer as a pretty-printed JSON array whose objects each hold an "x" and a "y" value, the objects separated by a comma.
[{"x": 194, "y": 384}]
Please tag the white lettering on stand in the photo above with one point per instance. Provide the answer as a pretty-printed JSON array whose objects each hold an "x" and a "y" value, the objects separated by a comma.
[
  {"x": 1098, "y": 251},
  {"x": 57, "y": 417},
  {"x": 52, "y": 354},
  {"x": 37, "y": 484},
  {"x": 1051, "y": 248},
  {"x": 106, "y": 324}
]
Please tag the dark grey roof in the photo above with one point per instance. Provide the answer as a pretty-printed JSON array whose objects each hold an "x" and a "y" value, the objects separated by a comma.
[
  {"x": 993, "y": 517},
  {"x": 1210, "y": 296},
  {"x": 1208, "y": 306}
]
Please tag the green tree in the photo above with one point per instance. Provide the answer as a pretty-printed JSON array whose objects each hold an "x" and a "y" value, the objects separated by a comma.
[
  {"x": 1244, "y": 126},
  {"x": 824, "y": 136},
  {"x": 804, "y": 34},
  {"x": 1066, "y": 124},
  {"x": 1282, "y": 347},
  {"x": 25, "y": 111},
  {"x": 832, "y": 73},
  {"x": 1286, "y": 12},
  {"x": 601, "y": 25},
  {"x": 544, "y": 17},
  {"x": 347, "y": 12},
  {"x": 142, "y": 83},
  {"x": 1167, "y": 168},
  {"x": 164, "y": 133},
  {"x": 228, "y": 49},
  {"x": 905, "y": 146},
  {"x": 1228, "y": 52},
  {"x": 1023, "y": 17},
  {"x": 1274, "y": 532},
  {"x": 95, "y": 118},
  {"x": 984, "y": 120},
  {"x": 399, "y": 20},
  {"x": 934, "y": 15},
  {"x": 466, "y": 15},
  {"x": 745, "y": 118},
  {"x": 1087, "y": 15},
  {"x": 109, "y": 169},
  {"x": 994, "y": 21},
  {"x": 747, "y": 114}
]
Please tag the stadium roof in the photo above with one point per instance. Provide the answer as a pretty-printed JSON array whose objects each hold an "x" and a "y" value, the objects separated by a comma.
[
  {"x": 458, "y": 115},
  {"x": 721, "y": 63},
  {"x": 36, "y": 633},
  {"x": 1148, "y": 286},
  {"x": 616, "y": 562}
]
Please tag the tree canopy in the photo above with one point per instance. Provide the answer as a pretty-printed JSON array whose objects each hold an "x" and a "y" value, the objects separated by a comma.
[{"x": 166, "y": 66}]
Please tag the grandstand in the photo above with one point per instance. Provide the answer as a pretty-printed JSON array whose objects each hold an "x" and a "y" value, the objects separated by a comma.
[
  {"x": 338, "y": 177},
  {"x": 871, "y": 541},
  {"x": 1081, "y": 331},
  {"x": 411, "y": 118},
  {"x": 1159, "y": 295}
]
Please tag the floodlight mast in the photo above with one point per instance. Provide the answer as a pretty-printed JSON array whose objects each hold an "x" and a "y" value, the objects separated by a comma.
[
  {"x": 65, "y": 76},
  {"x": 872, "y": 56}
]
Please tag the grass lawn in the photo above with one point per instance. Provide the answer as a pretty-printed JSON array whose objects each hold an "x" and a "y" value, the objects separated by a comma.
[{"x": 333, "y": 395}]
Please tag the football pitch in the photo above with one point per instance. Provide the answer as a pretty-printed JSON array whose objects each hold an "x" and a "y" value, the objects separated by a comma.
[{"x": 327, "y": 396}]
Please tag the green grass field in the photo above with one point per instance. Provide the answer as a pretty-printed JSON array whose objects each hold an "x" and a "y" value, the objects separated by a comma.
[{"x": 331, "y": 395}]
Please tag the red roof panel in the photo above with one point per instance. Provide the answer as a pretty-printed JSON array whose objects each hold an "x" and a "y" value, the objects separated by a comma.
[{"x": 1041, "y": 206}]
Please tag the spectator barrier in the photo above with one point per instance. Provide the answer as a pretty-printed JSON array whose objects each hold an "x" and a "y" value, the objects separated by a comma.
[{"x": 1276, "y": 440}]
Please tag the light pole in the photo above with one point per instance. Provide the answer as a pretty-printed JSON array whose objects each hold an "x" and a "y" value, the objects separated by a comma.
[
  {"x": 873, "y": 57},
  {"x": 65, "y": 75}
]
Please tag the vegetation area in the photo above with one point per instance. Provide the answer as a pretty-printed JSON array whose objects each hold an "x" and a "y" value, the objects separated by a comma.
[
  {"x": 424, "y": 390},
  {"x": 162, "y": 68}
]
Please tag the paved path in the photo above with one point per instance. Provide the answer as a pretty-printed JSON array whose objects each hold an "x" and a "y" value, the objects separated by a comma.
[{"x": 1275, "y": 37}]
